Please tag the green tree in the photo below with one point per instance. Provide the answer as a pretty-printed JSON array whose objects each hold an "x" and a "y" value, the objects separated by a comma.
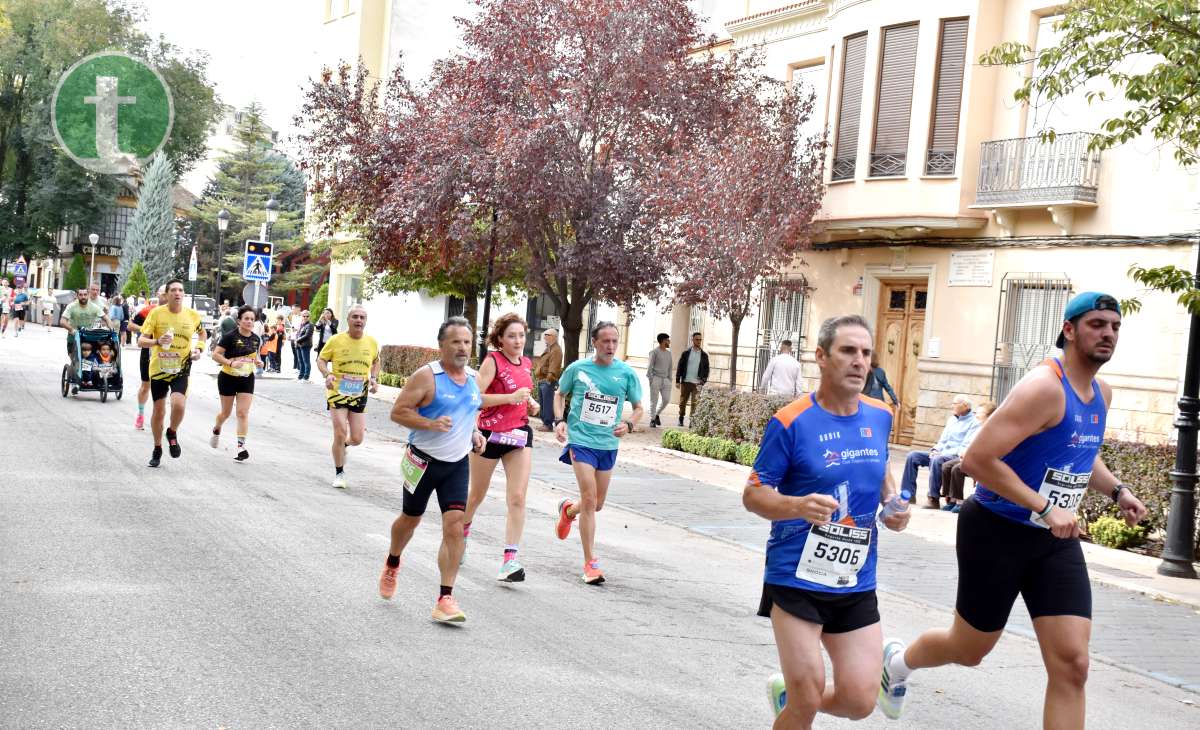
[
  {"x": 245, "y": 180},
  {"x": 136, "y": 283},
  {"x": 41, "y": 190},
  {"x": 1147, "y": 51},
  {"x": 77, "y": 277},
  {"x": 319, "y": 301},
  {"x": 151, "y": 236}
]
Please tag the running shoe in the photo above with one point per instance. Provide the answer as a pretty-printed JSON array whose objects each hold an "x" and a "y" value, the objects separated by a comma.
[
  {"x": 891, "y": 693},
  {"x": 173, "y": 444},
  {"x": 387, "y": 581},
  {"x": 512, "y": 571},
  {"x": 776, "y": 693},
  {"x": 215, "y": 439},
  {"x": 156, "y": 456},
  {"x": 591, "y": 573},
  {"x": 242, "y": 455},
  {"x": 447, "y": 611},
  {"x": 564, "y": 522},
  {"x": 339, "y": 481},
  {"x": 140, "y": 422}
]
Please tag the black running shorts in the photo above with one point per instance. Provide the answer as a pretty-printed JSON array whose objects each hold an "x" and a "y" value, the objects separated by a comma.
[
  {"x": 144, "y": 364},
  {"x": 450, "y": 480},
  {"x": 837, "y": 613},
  {"x": 160, "y": 389},
  {"x": 999, "y": 558},
  {"x": 358, "y": 405},
  {"x": 495, "y": 451},
  {"x": 230, "y": 385}
]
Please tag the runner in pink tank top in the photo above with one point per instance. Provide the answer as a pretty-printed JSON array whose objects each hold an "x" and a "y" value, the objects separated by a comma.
[{"x": 505, "y": 378}]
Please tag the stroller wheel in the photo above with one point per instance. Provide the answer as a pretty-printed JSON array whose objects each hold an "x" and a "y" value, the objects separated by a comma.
[
  {"x": 66, "y": 380},
  {"x": 103, "y": 392},
  {"x": 120, "y": 393}
]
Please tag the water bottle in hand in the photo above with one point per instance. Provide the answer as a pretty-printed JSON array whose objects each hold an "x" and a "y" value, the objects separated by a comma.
[{"x": 898, "y": 503}]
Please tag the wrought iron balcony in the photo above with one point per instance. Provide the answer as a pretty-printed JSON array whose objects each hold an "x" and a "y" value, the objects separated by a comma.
[{"x": 1028, "y": 171}]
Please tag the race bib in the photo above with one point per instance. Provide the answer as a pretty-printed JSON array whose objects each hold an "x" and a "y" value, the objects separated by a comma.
[
  {"x": 834, "y": 554},
  {"x": 242, "y": 367},
  {"x": 169, "y": 363},
  {"x": 351, "y": 385},
  {"x": 599, "y": 409},
  {"x": 516, "y": 438},
  {"x": 1064, "y": 489},
  {"x": 412, "y": 468}
]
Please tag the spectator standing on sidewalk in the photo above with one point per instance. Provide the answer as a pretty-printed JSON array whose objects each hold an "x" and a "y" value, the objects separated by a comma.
[
  {"x": 782, "y": 375},
  {"x": 546, "y": 374},
  {"x": 877, "y": 382},
  {"x": 293, "y": 324},
  {"x": 325, "y": 328},
  {"x": 691, "y": 375},
  {"x": 960, "y": 428},
  {"x": 658, "y": 372},
  {"x": 952, "y": 473},
  {"x": 302, "y": 345}
]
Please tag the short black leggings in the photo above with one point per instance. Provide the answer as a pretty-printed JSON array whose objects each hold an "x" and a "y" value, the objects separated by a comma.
[{"x": 450, "y": 480}]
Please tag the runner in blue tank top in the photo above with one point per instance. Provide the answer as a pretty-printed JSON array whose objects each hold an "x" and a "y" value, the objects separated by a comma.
[
  {"x": 438, "y": 406},
  {"x": 1032, "y": 461},
  {"x": 820, "y": 476}
]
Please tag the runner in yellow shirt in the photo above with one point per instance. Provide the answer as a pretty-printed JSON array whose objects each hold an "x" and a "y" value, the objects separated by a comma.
[
  {"x": 350, "y": 365},
  {"x": 168, "y": 331}
]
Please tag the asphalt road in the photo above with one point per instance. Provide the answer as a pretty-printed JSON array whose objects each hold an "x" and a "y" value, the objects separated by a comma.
[{"x": 214, "y": 594}]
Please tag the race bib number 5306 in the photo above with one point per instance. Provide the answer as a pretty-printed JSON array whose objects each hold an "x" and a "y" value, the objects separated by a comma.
[{"x": 833, "y": 555}]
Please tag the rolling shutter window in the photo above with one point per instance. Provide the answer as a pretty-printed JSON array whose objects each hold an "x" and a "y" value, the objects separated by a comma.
[
  {"x": 894, "y": 109},
  {"x": 854, "y": 61},
  {"x": 947, "y": 98}
]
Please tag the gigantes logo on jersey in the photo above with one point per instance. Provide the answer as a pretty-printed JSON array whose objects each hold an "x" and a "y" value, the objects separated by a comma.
[{"x": 850, "y": 456}]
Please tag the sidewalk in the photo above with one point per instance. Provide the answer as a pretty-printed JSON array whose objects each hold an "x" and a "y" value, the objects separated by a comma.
[{"x": 1143, "y": 621}]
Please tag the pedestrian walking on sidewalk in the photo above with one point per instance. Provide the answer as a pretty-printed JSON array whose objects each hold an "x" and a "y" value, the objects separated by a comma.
[
  {"x": 438, "y": 405},
  {"x": 168, "y": 332},
  {"x": 877, "y": 382},
  {"x": 1019, "y": 533},
  {"x": 349, "y": 363},
  {"x": 546, "y": 374},
  {"x": 506, "y": 380},
  {"x": 782, "y": 374},
  {"x": 658, "y": 374},
  {"x": 237, "y": 354},
  {"x": 820, "y": 476},
  {"x": 591, "y": 433},
  {"x": 691, "y": 375}
]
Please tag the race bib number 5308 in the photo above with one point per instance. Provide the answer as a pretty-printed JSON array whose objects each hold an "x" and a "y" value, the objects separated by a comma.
[{"x": 1064, "y": 489}]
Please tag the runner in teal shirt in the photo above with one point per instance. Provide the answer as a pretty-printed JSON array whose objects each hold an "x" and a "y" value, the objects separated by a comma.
[{"x": 598, "y": 389}]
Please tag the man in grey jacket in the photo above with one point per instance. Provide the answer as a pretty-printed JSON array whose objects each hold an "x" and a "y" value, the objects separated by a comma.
[{"x": 658, "y": 372}]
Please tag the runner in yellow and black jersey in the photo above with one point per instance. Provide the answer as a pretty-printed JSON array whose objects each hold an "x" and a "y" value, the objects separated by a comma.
[
  {"x": 349, "y": 363},
  {"x": 168, "y": 331}
]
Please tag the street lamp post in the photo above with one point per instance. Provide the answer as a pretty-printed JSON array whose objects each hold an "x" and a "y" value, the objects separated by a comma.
[
  {"x": 487, "y": 294},
  {"x": 272, "y": 215},
  {"x": 1179, "y": 550},
  {"x": 93, "y": 239},
  {"x": 222, "y": 225}
]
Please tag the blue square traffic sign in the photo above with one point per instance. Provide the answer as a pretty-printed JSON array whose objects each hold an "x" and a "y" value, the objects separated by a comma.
[{"x": 256, "y": 265}]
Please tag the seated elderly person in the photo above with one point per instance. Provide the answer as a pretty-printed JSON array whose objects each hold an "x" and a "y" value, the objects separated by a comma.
[
  {"x": 951, "y": 445},
  {"x": 952, "y": 473}
]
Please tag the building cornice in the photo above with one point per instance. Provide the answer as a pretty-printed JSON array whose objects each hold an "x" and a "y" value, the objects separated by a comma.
[{"x": 779, "y": 24}]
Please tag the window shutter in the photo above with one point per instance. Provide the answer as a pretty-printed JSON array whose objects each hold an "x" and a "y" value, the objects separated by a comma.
[
  {"x": 947, "y": 97},
  {"x": 854, "y": 63},
  {"x": 894, "y": 106}
]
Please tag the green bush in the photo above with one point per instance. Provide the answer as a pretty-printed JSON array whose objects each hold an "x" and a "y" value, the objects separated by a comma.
[
  {"x": 319, "y": 302},
  {"x": 404, "y": 360},
  {"x": 722, "y": 449},
  {"x": 76, "y": 277},
  {"x": 1114, "y": 533},
  {"x": 746, "y": 454},
  {"x": 392, "y": 380},
  {"x": 136, "y": 283},
  {"x": 735, "y": 415},
  {"x": 670, "y": 439}
]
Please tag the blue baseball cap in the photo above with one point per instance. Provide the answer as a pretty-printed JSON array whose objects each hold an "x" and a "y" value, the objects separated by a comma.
[{"x": 1083, "y": 303}]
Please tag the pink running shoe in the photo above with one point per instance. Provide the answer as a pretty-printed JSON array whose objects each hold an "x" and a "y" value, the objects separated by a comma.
[
  {"x": 140, "y": 422},
  {"x": 387, "y": 581},
  {"x": 447, "y": 611},
  {"x": 591, "y": 573}
]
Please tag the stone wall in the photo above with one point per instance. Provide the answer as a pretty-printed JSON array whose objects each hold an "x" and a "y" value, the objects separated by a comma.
[{"x": 940, "y": 381}]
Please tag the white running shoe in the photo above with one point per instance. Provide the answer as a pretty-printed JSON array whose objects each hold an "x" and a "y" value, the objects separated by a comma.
[
  {"x": 776, "y": 693},
  {"x": 892, "y": 693},
  {"x": 214, "y": 440},
  {"x": 339, "y": 481}
]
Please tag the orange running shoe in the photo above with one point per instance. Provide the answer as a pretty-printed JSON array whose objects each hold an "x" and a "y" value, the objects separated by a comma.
[
  {"x": 591, "y": 573},
  {"x": 564, "y": 522},
  {"x": 387, "y": 581},
  {"x": 447, "y": 611}
]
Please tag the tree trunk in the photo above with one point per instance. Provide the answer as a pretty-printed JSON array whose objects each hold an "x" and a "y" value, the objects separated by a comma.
[
  {"x": 737, "y": 328},
  {"x": 572, "y": 323},
  {"x": 471, "y": 314}
]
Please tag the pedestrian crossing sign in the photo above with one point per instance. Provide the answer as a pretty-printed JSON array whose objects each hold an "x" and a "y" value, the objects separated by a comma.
[{"x": 256, "y": 266}]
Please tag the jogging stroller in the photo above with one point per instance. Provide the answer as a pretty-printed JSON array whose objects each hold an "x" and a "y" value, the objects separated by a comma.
[{"x": 83, "y": 373}]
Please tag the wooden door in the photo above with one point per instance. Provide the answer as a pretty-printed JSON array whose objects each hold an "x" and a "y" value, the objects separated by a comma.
[{"x": 899, "y": 339}]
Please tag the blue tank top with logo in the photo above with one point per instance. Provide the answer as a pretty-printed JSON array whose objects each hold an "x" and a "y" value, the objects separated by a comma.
[
  {"x": 461, "y": 403},
  {"x": 807, "y": 450},
  {"x": 1056, "y": 463}
]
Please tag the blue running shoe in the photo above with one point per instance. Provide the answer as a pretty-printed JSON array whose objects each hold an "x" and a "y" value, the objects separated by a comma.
[{"x": 776, "y": 693}]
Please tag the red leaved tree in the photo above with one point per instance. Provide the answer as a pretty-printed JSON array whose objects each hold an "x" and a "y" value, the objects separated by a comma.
[
  {"x": 557, "y": 115},
  {"x": 740, "y": 205}
]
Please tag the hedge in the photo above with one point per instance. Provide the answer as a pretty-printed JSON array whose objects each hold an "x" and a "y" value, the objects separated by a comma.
[
  {"x": 391, "y": 379},
  {"x": 736, "y": 416},
  {"x": 403, "y": 360},
  {"x": 713, "y": 448}
]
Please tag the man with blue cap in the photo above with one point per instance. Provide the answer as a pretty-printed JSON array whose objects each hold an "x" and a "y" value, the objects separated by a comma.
[{"x": 1032, "y": 462}]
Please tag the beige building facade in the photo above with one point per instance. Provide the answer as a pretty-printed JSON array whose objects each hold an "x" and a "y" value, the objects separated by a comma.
[{"x": 948, "y": 223}]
